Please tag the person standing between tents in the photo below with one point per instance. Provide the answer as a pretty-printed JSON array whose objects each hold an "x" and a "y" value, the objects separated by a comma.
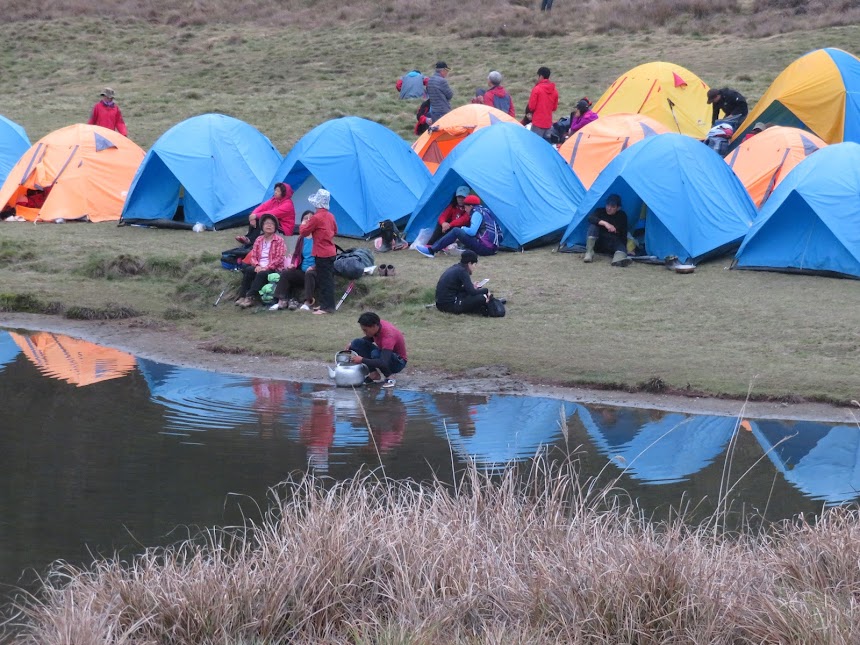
[
  {"x": 607, "y": 232},
  {"x": 454, "y": 215},
  {"x": 382, "y": 349},
  {"x": 439, "y": 92},
  {"x": 107, "y": 114},
  {"x": 455, "y": 291},
  {"x": 412, "y": 85},
  {"x": 281, "y": 206},
  {"x": 542, "y": 103},
  {"x": 732, "y": 104},
  {"x": 497, "y": 96},
  {"x": 266, "y": 256},
  {"x": 482, "y": 236},
  {"x": 322, "y": 227}
]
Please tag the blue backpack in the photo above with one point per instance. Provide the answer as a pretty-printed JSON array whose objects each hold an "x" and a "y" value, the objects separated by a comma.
[{"x": 502, "y": 103}]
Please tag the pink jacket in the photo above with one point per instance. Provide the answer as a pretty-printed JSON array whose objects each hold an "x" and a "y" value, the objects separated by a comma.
[
  {"x": 282, "y": 209},
  {"x": 578, "y": 122}
]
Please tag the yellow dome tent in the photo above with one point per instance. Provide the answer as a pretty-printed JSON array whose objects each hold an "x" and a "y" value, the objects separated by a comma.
[
  {"x": 77, "y": 172},
  {"x": 667, "y": 93}
]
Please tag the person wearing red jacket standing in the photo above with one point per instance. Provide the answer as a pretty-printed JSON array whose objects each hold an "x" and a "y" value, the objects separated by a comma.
[
  {"x": 542, "y": 103},
  {"x": 107, "y": 114},
  {"x": 322, "y": 228}
]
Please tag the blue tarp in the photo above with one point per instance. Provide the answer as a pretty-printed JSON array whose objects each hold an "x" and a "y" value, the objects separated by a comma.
[
  {"x": 821, "y": 461},
  {"x": 371, "y": 173},
  {"x": 13, "y": 143},
  {"x": 811, "y": 223},
  {"x": 9, "y": 349},
  {"x": 665, "y": 451},
  {"x": 695, "y": 207},
  {"x": 218, "y": 165},
  {"x": 521, "y": 178}
]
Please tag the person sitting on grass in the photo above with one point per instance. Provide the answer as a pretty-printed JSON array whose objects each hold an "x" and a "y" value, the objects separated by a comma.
[
  {"x": 455, "y": 291},
  {"x": 266, "y": 256},
  {"x": 607, "y": 232},
  {"x": 382, "y": 349},
  {"x": 482, "y": 235},
  {"x": 300, "y": 274},
  {"x": 454, "y": 215}
]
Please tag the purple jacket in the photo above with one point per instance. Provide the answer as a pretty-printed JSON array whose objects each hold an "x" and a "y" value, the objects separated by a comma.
[{"x": 576, "y": 123}]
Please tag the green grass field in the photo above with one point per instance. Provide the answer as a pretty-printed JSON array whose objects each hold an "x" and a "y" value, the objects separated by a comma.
[{"x": 716, "y": 331}]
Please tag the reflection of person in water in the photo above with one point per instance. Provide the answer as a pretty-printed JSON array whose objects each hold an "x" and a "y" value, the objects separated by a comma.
[
  {"x": 388, "y": 421},
  {"x": 317, "y": 434},
  {"x": 268, "y": 401},
  {"x": 460, "y": 409}
]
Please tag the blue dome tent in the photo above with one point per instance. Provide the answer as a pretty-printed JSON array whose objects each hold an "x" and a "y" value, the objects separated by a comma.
[
  {"x": 665, "y": 451},
  {"x": 9, "y": 349},
  {"x": 811, "y": 223},
  {"x": 371, "y": 173},
  {"x": 215, "y": 167},
  {"x": 522, "y": 180},
  {"x": 13, "y": 143},
  {"x": 694, "y": 207}
]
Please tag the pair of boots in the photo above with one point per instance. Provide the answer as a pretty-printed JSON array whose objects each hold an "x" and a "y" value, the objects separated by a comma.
[{"x": 619, "y": 259}]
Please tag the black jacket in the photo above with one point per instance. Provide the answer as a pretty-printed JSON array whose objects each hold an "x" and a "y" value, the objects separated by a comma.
[
  {"x": 731, "y": 102},
  {"x": 454, "y": 284},
  {"x": 619, "y": 221}
]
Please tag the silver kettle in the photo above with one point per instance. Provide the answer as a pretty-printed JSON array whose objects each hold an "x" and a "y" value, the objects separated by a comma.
[{"x": 345, "y": 372}]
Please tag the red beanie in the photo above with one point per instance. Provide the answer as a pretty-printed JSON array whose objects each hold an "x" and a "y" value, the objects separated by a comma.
[{"x": 473, "y": 200}]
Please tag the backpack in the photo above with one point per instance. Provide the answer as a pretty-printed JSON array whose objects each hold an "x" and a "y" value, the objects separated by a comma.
[
  {"x": 502, "y": 103},
  {"x": 495, "y": 308},
  {"x": 490, "y": 233},
  {"x": 352, "y": 262},
  {"x": 267, "y": 291}
]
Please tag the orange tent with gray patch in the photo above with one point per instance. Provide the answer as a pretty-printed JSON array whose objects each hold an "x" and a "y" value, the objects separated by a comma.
[
  {"x": 590, "y": 150},
  {"x": 80, "y": 172},
  {"x": 446, "y": 133},
  {"x": 764, "y": 160},
  {"x": 666, "y": 92}
]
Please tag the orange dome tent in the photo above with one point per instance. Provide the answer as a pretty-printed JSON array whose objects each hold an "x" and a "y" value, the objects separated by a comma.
[
  {"x": 668, "y": 93},
  {"x": 762, "y": 161},
  {"x": 77, "y": 172},
  {"x": 73, "y": 360},
  {"x": 590, "y": 149},
  {"x": 444, "y": 135}
]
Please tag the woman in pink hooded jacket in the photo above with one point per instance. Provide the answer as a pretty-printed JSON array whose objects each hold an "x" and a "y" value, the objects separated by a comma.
[
  {"x": 581, "y": 116},
  {"x": 281, "y": 206}
]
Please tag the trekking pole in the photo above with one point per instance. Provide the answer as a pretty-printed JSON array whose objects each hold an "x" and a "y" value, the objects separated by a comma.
[
  {"x": 220, "y": 295},
  {"x": 345, "y": 294}
]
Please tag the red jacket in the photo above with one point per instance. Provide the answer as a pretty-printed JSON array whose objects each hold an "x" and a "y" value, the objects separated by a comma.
[
  {"x": 542, "y": 103},
  {"x": 282, "y": 208},
  {"x": 499, "y": 91},
  {"x": 455, "y": 216},
  {"x": 277, "y": 253},
  {"x": 322, "y": 227},
  {"x": 108, "y": 116}
]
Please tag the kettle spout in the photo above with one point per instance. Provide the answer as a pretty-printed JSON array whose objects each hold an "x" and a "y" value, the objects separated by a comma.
[{"x": 330, "y": 373}]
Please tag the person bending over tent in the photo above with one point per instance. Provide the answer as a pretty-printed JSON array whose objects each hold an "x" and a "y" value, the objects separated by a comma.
[
  {"x": 266, "y": 256},
  {"x": 322, "y": 227},
  {"x": 732, "y": 104},
  {"x": 607, "y": 232},
  {"x": 107, "y": 114},
  {"x": 281, "y": 206},
  {"x": 299, "y": 274},
  {"x": 482, "y": 235},
  {"x": 455, "y": 291},
  {"x": 454, "y": 215},
  {"x": 382, "y": 349},
  {"x": 581, "y": 116}
]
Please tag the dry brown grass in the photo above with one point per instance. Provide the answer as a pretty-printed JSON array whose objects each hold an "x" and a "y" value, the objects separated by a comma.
[
  {"x": 471, "y": 17},
  {"x": 534, "y": 559}
]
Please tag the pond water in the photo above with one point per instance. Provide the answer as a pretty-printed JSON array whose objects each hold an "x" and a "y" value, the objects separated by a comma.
[{"x": 103, "y": 451}]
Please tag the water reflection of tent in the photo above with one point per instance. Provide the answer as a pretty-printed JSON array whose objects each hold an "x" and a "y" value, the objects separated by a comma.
[
  {"x": 73, "y": 360},
  {"x": 819, "y": 460},
  {"x": 200, "y": 400},
  {"x": 8, "y": 349},
  {"x": 506, "y": 428},
  {"x": 664, "y": 451}
]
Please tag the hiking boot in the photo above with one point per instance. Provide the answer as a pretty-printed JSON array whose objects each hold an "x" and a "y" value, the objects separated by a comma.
[
  {"x": 292, "y": 305},
  {"x": 589, "y": 249},
  {"x": 383, "y": 270},
  {"x": 390, "y": 271},
  {"x": 245, "y": 303},
  {"x": 620, "y": 259}
]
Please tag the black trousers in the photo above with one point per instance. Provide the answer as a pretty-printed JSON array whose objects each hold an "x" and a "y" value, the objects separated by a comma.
[
  {"x": 606, "y": 242},
  {"x": 472, "y": 304},
  {"x": 325, "y": 279},
  {"x": 294, "y": 279},
  {"x": 252, "y": 281}
]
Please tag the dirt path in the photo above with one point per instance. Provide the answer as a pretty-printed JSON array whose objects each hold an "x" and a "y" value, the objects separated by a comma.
[{"x": 168, "y": 347}]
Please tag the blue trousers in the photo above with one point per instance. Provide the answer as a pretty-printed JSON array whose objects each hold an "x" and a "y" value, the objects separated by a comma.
[
  {"x": 456, "y": 234},
  {"x": 369, "y": 351}
]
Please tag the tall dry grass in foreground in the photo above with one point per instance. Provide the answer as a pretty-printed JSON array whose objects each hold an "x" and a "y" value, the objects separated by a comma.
[{"x": 537, "y": 561}]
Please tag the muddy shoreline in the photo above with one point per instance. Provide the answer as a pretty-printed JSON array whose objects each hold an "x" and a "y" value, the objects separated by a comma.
[{"x": 169, "y": 346}]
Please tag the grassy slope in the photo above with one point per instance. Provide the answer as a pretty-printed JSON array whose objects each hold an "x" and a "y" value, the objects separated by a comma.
[{"x": 713, "y": 331}]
